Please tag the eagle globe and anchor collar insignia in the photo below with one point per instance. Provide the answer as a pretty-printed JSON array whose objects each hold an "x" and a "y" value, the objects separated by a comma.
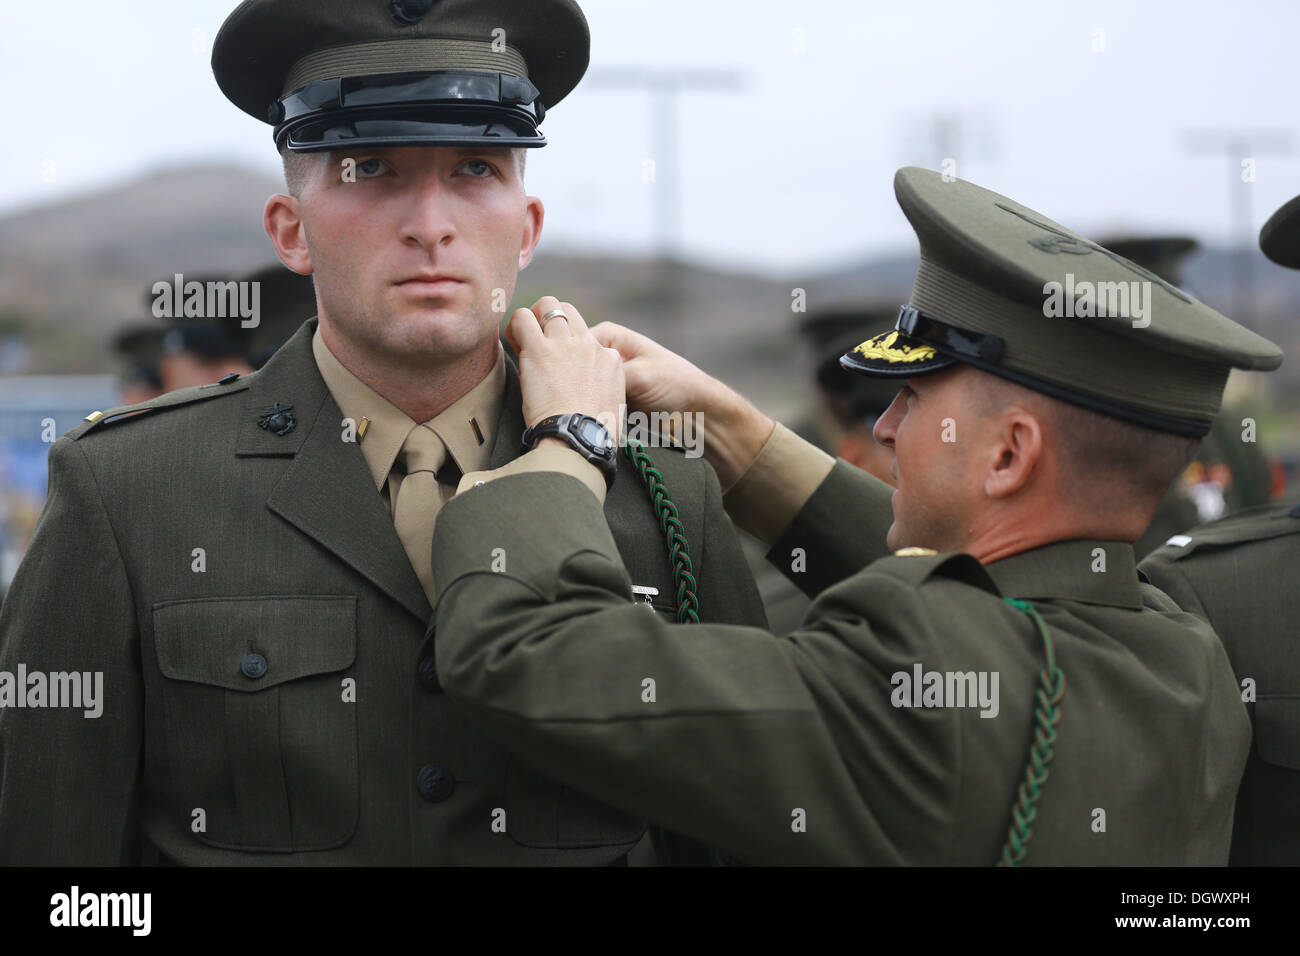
[{"x": 278, "y": 419}]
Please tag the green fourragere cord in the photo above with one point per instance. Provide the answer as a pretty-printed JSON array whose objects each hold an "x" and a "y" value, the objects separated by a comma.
[
  {"x": 679, "y": 552},
  {"x": 1047, "y": 715}
]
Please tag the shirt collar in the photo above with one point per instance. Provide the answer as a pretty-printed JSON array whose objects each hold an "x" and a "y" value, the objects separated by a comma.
[
  {"x": 467, "y": 427},
  {"x": 1091, "y": 571}
]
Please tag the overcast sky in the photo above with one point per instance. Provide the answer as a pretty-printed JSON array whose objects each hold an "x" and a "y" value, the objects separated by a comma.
[{"x": 1078, "y": 109}]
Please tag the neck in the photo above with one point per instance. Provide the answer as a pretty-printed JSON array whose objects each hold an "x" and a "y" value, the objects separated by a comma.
[
  {"x": 1002, "y": 532},
  {"x": 420, "y": 391}
]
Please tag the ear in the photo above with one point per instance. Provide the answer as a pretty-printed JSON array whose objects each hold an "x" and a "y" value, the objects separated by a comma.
[
  {"x": 282, "y": 219},
  {"x": 534, "y": 213},
  {"x": 1018, "y": 455}
]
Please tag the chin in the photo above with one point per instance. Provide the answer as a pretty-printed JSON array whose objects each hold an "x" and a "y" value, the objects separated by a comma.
[{"x": 892, "y": 537}]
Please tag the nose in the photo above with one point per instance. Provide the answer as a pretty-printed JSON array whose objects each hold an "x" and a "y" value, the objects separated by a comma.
[
  {"x": 887, "y": 424},
  {"x": 429, "y": 219}
]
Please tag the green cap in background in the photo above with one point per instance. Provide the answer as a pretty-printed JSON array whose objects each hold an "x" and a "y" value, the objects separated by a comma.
[
  {"x": 831, "y": 333},
  {"x": 1280, "y": 236},
  {"x": 286, "y": 301},
  {"x": 1163, "y": 255},
  {"x": 139, "y": 346}
]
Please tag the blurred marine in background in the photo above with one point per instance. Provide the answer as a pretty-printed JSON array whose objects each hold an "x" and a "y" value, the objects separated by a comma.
[
  {"x": 1228, "y": 473},
  {"x": 1241, "y": 573}
]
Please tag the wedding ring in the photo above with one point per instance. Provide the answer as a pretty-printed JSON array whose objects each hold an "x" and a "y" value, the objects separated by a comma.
[{"x": 553, "y": 314}]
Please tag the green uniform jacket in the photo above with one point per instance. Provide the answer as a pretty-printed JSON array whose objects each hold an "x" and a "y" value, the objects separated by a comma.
[
  {"x": 790, "y": 749},
  {"x": 1240, "y": 574},
  {"x": 344, "y": 750}
]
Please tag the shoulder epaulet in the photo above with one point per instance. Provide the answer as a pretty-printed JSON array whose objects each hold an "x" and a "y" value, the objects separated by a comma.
[
  {"x": 1253, "y": 524},
  {"x": 182, "y": 396},
  {"x": 917, "y": 565}
]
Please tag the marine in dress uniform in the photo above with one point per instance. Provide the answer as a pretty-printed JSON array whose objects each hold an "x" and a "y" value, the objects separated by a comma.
[
  {"x": 1119, "y": 737},
  {"x": 231, "y": 559},
  {"x": 1239, "y": 574}
]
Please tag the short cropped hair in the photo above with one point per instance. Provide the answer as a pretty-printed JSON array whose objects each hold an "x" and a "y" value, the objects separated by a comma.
[{"x": 1100, "y": 454}]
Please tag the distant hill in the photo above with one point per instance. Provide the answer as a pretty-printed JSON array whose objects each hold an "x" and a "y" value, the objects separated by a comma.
[{"x": 72, "y": 272}]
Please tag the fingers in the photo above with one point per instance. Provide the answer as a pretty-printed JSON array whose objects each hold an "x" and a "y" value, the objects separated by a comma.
[
  {"x": 523, "y": 331},
  {"x": 629, "y": 344}
]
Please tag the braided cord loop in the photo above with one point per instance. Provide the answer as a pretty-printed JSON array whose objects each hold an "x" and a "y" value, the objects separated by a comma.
[
  {"x": 1047, "y": 715},
  {"x": 688, "y": 604},
  {"x": 679, "y": 553}
]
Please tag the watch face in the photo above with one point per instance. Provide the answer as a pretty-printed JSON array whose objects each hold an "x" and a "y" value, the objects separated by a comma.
[{"x": 595, "y": 435}]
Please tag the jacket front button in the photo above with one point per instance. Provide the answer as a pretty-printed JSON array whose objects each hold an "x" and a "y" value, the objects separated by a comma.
[
  {"x": 435, "y": 782},
  {"x": 254, "y": 666},
  {"x": 429, "y": 672}
]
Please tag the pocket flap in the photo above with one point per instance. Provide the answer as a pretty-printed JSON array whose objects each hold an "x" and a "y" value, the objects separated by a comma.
[
  {"x": 1277, "y": 730},
  {"x": 251, "y": 644}
]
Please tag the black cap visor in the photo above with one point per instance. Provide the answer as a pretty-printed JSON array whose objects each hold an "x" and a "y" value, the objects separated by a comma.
[
  {"x": 919, "y": 345},
  {"x": 443, "y": 108}
]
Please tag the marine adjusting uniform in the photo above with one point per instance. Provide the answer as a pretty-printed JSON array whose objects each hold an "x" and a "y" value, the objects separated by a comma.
[{"x": 1119, "y": 736}]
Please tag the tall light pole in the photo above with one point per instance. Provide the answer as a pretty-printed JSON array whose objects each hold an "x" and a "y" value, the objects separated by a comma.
[
  {"x": 1240, "y": 147},
  {"x": 665, "y": 87}
]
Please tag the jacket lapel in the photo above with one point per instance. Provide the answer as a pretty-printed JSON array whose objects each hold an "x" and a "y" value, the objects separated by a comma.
[
  {"x": 510, "y": 426},
  {"x": 326, "y": 491}
]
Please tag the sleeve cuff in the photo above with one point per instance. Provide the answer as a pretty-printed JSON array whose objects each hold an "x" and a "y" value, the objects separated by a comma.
[
  {"x": 777, "y": 484},
  {"x": 545, "y": 457}
]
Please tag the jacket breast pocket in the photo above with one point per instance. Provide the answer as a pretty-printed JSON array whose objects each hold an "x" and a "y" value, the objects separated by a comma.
[
  {"x": 546, "y": 814},
  {"x": 261, "y": 734}
]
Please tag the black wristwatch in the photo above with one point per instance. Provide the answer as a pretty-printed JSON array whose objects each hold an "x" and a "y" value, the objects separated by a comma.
[{"x": 585, "y": 435}]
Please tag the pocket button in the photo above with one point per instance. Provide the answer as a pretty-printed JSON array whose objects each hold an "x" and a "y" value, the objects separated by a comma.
[
  {"x": 435, "y": 782},
  {"x": 253, "y": 666}
]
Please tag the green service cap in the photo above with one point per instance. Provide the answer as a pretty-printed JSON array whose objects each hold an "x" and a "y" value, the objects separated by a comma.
[
  {"x": 333, "y": 74},
  {"x": 1007, "y": 290},
  {"x": 285, "y": 301},
  {"x": 186, "y": 324},
  {"x": 1163, "y": 255},
  {"x": 1280, "y": 236}
]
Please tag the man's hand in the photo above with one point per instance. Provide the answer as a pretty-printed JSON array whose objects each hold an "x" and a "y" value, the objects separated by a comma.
[
  {"x": 563, "y": 368},
  {"x": 662, "y": 381}
]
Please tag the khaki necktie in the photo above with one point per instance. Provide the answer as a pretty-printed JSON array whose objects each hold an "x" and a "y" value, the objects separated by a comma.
[{"x": 419, "y": 498}]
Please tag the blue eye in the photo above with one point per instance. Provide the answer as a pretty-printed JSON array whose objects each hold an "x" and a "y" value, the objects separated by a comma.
[
  {"x": 370, "y": 168},
  {"x": 478, "y": 168}
]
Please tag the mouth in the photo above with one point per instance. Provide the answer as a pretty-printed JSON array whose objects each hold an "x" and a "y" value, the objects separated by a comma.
[{"x": 431, "y": 283}]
